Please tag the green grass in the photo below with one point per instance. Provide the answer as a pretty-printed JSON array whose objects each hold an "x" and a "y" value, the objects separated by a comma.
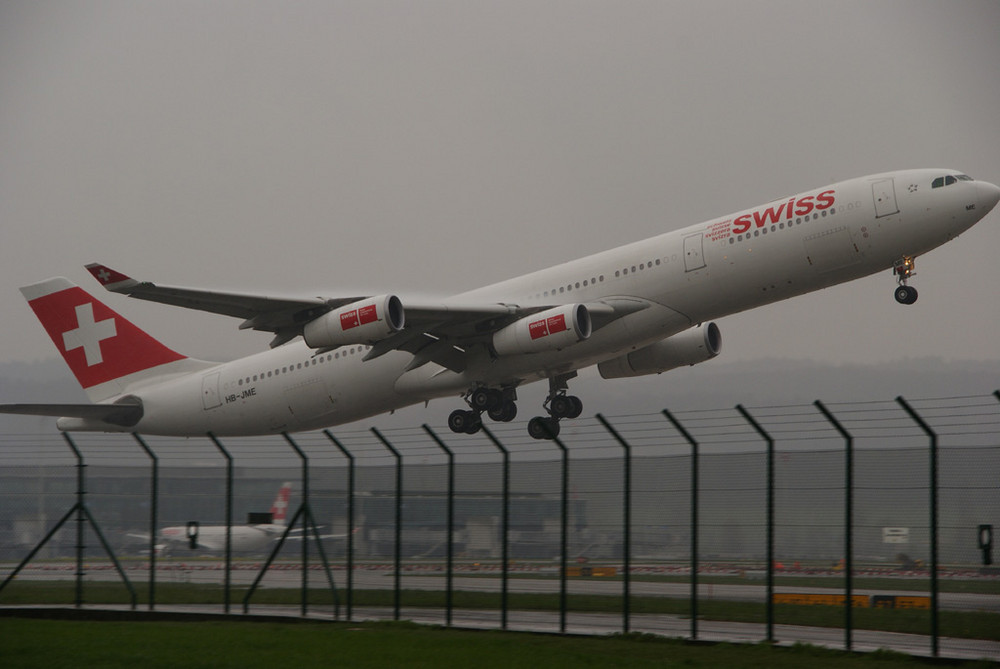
[
  {"x": 960, "y": 624},
  {"x": 49, "y": 644}
]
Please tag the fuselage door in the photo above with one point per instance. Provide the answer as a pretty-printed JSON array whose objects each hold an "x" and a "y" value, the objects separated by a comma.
[
  {"x": 210, "y": 391},
  {"x": 694, "y": 257},
  {"x": 884, "y": 194}
]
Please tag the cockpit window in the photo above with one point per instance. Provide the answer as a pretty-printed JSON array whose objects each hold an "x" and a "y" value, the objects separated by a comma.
[{"x": 949, "y": 180}]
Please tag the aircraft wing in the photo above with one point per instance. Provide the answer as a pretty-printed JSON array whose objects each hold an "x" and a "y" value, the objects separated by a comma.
[
  {"x": 281, "y": 315},
  {"x": 124, "y": 414},
  {"x": 434, "y": 332}
]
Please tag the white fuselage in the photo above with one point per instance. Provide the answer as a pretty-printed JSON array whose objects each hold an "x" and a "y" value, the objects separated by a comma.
[
  {"x": 723, "y": 266},
  {"x": 243, "y": 538}
]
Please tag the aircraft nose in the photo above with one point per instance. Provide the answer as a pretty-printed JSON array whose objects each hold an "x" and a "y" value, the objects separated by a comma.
[{"x": 989, "y": 195}]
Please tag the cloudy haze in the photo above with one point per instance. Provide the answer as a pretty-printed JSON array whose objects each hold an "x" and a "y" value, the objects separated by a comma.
[{"x": 432, "y": 147}]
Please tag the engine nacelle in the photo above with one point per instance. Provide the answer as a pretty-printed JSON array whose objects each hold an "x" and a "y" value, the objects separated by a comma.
[
  {"x": 363, "y": 322},
  {"x": 549, "y": 330},
  {"x": 700, "y": 343}
]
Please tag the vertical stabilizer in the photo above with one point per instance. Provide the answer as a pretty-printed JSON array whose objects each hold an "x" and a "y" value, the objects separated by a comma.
[
  {"x": 279, "y": 510},
  {"x": 100, "y": 346}
]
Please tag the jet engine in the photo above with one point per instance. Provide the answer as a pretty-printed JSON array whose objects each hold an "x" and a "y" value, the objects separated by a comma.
[
  {"x": 549, "y": 330},
  {"x": 362, "y": 322},
  {"x": 700, "y": 343}
]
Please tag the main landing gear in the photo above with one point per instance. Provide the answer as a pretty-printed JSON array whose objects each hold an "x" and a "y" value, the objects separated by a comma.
[
  {"x": 903, "y": 269},
  {"x": 559, "y": 405},
  {"x": 499, "y": 405}
]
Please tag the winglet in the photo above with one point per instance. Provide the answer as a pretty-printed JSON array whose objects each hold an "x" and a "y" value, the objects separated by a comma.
[{"x": 111, "y": 279}]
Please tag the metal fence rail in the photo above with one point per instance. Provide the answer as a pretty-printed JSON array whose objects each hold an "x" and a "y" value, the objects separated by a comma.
[{"x": 899, "y": 488}]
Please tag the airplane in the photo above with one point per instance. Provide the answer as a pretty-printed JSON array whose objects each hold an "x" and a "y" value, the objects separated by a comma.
[
  {"x": 249, "y": 538},
  {"x": 642, "y": 308},
  {"x": 252, "y": 537}
]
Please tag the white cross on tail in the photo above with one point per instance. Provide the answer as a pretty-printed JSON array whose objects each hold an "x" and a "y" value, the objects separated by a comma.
[{"x": 89, "y": 334}]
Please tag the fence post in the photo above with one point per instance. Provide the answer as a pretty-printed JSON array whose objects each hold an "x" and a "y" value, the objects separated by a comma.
[
  {"x": 504, "y": 525},
  {"x": 305, "y": 523},
  {"x": 563, "y": 532},
  {"x": 694, "y": 519},
  {"x": 848, "y": 523},
  {"x": 229, "y": 519},
  {"x": 80, "y": 492},
  {"x": 626, "y": 523},
  {"x": 399, "y": 521},
  {"x": 154, "y": 501},
  {"x": 932, "y": 435},
  {"x": 350, "y": 520},
  {"x": 449, "y": 574},
  {"x": 770, "y": 518}
]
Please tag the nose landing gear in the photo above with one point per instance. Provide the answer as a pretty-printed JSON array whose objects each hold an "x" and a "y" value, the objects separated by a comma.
[{"x": 903, "y": 269}]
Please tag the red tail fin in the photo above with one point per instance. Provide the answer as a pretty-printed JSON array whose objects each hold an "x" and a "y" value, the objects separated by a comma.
[
  {"x": 279, "y": 510},
  {"x": 98, "y": 344}
]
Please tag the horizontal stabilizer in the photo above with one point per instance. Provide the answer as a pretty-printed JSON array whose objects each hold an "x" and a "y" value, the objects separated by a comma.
[{"x": 125, "y": 414}]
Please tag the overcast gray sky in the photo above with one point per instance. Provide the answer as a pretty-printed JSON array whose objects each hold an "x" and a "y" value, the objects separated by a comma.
[{"x": 336, "y": 147}]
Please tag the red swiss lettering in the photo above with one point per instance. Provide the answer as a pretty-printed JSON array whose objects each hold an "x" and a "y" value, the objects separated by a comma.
[
  {"x": 741, "y": 224},
  {"x": 827, "y": 199},
  {"x": 538, "y": 329},
  {"x": 801, "y": 207},
  {"x": 804, "y": 206},
  {"x": 349, "y": 320},
  {"x": 769, "y": 215}
]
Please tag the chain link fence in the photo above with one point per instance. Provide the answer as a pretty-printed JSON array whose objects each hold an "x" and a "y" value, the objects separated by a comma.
[{"x": 625, "y": 507}]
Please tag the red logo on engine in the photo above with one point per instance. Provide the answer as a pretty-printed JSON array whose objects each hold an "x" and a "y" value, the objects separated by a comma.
[
  {"x": 538, "y": 329},
  {"x": 557, "y": 324},
  {"x": 367, "y": 314},
  {"x": 349, "y": 320},
  {"x": 547, "y": 326}
]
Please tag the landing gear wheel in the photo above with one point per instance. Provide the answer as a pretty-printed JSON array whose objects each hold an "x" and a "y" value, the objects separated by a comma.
[
  {"x": 504, "y": 413},
  {"x": 906, "y": 294},
  {"x": 561, "y": 406},
  {"x": 476, "y": 425},
  {"x": 464, "y": 422},
  {"x": 577, "y": 407},
  {"x": 566, "y": 406},
  {"x": 541, "y": 427},
  {"x": 483, "y": 399}
]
